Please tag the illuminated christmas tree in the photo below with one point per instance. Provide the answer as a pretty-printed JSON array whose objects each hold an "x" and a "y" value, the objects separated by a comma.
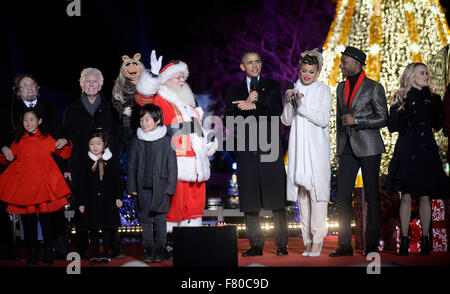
[{"x": 393, "y": 33}]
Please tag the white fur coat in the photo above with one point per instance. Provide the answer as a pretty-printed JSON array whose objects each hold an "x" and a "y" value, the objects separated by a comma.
[{"x": 309, "y": 141}]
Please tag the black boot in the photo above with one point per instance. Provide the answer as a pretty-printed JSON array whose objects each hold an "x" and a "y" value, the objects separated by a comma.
[
  {"x": 404, "y": 246},
  {"x": 33, "y": 255},
  {"x": 49, "y": 255},
  {"x": 168, "y": 250},
  {"x": 158, "y": 254},
  {"x": 148, "y": 255},
  {"x": 424, "y": 246}
]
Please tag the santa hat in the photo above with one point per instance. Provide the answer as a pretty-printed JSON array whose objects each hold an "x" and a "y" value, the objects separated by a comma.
[{"x": 171, "y": 69}]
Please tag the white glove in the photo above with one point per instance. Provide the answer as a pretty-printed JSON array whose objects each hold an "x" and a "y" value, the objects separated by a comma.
[
  {"x": 155, "y": 64},
  {"x": 212, "y": 146},
  {"x": 127, "y": 111}
]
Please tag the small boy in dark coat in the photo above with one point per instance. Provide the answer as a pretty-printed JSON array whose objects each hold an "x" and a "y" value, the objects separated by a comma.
[{"x": 152, "y": 177}]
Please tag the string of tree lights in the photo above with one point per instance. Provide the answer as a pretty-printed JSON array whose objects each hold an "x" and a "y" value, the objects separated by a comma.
[{"x": 393, "y": 33}]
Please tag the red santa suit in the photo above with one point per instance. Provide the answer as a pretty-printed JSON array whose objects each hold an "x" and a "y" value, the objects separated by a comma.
[{"x": 192, "y": 149}]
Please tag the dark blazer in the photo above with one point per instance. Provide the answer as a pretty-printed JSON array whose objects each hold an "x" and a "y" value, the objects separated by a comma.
[
  {"x": 77, "y": 124},
  {"x": 261, "y": 184},
  {"x": 164, "y": 170},
  {"x": 48, "y": 110},
  {"x": 51, "y": 116},
  {"x": 369, "y": 106}
]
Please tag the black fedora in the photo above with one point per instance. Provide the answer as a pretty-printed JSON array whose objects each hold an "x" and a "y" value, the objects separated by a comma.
[{"x": 356, "y": 54}]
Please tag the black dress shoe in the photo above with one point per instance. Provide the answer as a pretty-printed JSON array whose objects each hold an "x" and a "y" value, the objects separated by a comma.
[
  {"x": 120, "y": 255},
  {"x": 148, "y": 258},
  {"x": 49, "y": 255},
  {"x": 282, "y": 251},
  {"x": 158, "y": 259},
  {"x": 341, "y": 251},
  {"x": 94, "y": 260},
  {"x": 10, "y": 258},
  {"x": 33, "y": 256},
  {"x": 253, "y": 251},
  {"x": 158, "y": 254}
]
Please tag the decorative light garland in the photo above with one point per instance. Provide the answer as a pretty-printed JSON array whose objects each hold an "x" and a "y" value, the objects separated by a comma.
[{"x": 331, "y": 225}]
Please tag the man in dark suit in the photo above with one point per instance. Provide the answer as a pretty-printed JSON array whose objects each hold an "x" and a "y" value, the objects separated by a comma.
[
  {"x": 361, "y": 112},
  {"x": 260, "y": 170},
  {"x": 26, "y": 95}
]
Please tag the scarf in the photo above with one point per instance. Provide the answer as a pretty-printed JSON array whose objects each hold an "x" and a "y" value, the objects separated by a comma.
[
  {"x": 142, "y": 100},
  {"x": 100, "y": 162},
  {"x": 91, "y": 108},
  {"x": 154, "y": 135},
  {"x": 348, "y": 85}
]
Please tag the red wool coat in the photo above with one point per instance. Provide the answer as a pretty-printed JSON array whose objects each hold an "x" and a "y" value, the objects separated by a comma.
[{"x": 33, "y": 183}]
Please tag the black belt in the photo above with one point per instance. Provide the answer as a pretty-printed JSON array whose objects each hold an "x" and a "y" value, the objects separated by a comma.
[
  {"x": 189, "y": 127},
  {"x": 186, "y": 128}
]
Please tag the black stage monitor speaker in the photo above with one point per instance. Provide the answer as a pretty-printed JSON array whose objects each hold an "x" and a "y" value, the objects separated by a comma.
[{"x": 205, "y": 246}]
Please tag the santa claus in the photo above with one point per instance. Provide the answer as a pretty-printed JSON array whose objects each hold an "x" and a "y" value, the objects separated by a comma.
[{"x": 167, "y": 88}]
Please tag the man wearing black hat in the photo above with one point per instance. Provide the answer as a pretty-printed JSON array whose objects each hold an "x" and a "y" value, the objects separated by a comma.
[{"x": 361, "y": 112}]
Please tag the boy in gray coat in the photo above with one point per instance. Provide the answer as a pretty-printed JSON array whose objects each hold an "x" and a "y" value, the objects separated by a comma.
[{"x": 152, "y": 177}]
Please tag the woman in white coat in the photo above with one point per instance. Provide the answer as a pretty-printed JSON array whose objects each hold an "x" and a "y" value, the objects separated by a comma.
[{"x": 308, "y": 176}]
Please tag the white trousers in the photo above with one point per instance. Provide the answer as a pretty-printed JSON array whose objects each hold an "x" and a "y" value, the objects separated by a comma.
[
  {"x": 313, "y": 216},
  {"x": 196, "y": 222}
]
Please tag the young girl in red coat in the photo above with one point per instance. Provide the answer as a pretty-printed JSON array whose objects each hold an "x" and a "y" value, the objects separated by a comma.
[
  {"x": 32, "y": 185},
  {"x": 100, "y": 194}
]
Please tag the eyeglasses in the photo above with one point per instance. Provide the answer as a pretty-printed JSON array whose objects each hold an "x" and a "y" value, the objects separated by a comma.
[{"x": 32, "y": 86}]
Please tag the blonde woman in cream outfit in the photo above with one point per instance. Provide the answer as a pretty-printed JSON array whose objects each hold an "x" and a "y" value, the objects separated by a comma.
[{"x": 308, "y": 176}]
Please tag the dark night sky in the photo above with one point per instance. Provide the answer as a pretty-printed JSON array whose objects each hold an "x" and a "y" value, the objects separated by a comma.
[{"x": 40, "y": 38}]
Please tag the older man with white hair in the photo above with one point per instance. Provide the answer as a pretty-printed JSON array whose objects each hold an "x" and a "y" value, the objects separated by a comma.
[{"x": 91, "y": 111}]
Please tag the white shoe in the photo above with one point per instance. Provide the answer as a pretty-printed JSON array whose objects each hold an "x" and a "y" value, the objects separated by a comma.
[
  {"x": 307, "y": 250},
  {"x": 315, "y": 254}
]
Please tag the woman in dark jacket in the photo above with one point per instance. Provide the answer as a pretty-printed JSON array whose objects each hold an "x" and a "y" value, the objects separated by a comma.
[
  {"x": 89, "y": 112},
  {"x": 26, "y": 94},
  {"x": 416, "y": 168}
]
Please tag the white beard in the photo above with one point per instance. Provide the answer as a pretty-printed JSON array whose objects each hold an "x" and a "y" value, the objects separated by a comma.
[{"x": 174, "y": 94}]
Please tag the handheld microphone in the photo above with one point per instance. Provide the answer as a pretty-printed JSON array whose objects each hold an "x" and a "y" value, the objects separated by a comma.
[
  {"x": 348, "y": 130},
  {"x": 254, "y": 84},
  {"x": 290, "y": 85}
]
